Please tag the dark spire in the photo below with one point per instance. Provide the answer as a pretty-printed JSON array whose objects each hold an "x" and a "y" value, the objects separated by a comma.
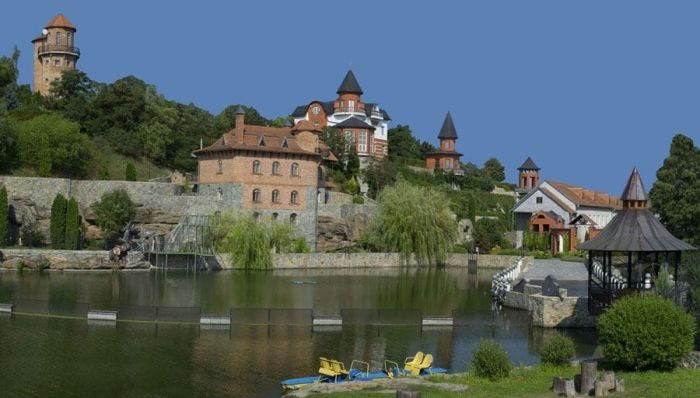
[
  {"x": 528, "y": 165},
  {"x": 448, "y": 130},
  {"x": 239, "y": 110},
  {"x": 634, "y": 190},
  {"x": 349, "y": 85}
]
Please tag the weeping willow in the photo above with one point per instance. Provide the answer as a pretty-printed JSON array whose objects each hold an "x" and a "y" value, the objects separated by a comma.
[
  {"x": 415, "y": 222},
  {"x": 250, "y": 242}
]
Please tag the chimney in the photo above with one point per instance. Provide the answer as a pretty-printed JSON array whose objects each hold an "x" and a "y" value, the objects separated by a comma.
[{"x": 240, "y": 123}]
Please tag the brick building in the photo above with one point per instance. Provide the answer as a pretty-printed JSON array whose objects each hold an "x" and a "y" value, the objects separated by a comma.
[
  {"x": 54, "y": 52},
  {"x": 279, "y": 170},
  {"x": 362, "y": 123},
  {"x": 445, "y": 157},
  {"x": 561, "y": 209}
]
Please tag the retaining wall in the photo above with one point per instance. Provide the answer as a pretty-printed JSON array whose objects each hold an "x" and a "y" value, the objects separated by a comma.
[{"x": 61, "y": 259}]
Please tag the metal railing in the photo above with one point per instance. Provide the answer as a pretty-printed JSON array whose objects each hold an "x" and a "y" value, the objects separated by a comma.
[{"x": 51, "y": 48}]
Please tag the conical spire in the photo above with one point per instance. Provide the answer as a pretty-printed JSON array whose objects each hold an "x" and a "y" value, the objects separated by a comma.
[
  {"x": 634, "y": 190},
  {"x": 529, "y": 164},
  {"x": 448, "y": 130},
  {"x": 349, "y": 85},
  {"x": 239, "y": 110},
  {"x": 60, "y": 21}
]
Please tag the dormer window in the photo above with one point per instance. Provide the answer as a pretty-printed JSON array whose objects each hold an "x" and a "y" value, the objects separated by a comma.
[
  {"x": 285, "y": 144},
  {"x": 261, "y": 142},
  {"x": 316, "y": 110}
]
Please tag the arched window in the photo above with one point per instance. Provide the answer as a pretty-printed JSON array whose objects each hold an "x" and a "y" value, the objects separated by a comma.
[
  {"x": 256, "y": 196},
  {"x": 58, "y": 38},
  {"x": 276, "y": 168},
  {"x": 274, "y": 216},
  {"x": 68, "y": 37},
  {"x": 295, "y": 169},
  {"x": 275, "y": 196},
  {"x": 221, "y": 166},
  {"x": 256, "y": 167},
  {"x": 294, "y": 197},
  {"x": 293, "y": 218},
  {"x": 316, "y": 110}
]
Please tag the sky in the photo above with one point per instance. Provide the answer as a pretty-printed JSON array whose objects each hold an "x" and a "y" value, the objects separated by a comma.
[{"x": 587, "y": 89}]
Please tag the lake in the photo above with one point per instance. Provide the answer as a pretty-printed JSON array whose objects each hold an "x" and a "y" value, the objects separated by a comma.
[{"x": 61, "y": 356}]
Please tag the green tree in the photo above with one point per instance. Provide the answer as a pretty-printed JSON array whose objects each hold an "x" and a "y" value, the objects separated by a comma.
[
  {"x": 352, "y": 164},
  {"x": 103, "y": 173},
  {"x": 8, "y": 80},
  {"x": 72, "y": 234},
  {"x": 73, "y": 95},
  {"x": 113, "y": 212},
  {"x": 415, "y": 222},
  {"x": 352, "y": 187},
  {"x": 226, "y": 120},
  {"x": 4, "y": 216},
  {"x": 57, "y": 223},
  {"x": 50, "y": 143},
  {"x": 130, "y": 172},
  {"x": 487, "y": 234},
  {"x": 675, "y": 196},
  {"x": 495, "y": 170},
  {"x": 403, "y": 147},
  {"x": 8, "y": 147}
]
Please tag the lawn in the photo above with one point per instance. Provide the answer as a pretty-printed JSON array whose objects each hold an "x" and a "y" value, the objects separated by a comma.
[{"x": 534, "y": 382}]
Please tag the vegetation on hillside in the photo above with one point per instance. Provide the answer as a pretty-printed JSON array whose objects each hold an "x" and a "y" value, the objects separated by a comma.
[
  {"x": 114, "y": 211},
  {"x": 84, "y": 128}
]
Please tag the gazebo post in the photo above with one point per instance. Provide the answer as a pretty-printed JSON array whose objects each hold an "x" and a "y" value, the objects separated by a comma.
[
  {"x": 590, "y": 279},
  {"x": 629, "y": 270},
  {"x": 675, "y": 276}
]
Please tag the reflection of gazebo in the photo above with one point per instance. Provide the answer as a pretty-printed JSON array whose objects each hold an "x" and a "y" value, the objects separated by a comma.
[{"x": 635, "y": 242}]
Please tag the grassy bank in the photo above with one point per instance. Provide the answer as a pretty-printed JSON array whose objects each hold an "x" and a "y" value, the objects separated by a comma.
[{"x": 535, "y": 382}]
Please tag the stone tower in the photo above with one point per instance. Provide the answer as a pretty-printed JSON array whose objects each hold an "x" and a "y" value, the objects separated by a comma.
[
  {"x": 54, "y": 53},
  {"x": 528, "y": 175}
]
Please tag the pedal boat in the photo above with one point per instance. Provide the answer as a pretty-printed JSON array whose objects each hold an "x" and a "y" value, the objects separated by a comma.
[{"x": 333, "y": 371}]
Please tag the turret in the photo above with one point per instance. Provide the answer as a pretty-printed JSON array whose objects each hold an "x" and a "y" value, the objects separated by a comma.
[
  {"x": 349, "y": 94},
  {"x": 54, "y": 53},
  {"x": 528, "y": 175}
]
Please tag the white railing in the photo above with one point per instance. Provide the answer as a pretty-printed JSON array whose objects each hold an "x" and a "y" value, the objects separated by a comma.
[
  {"x": 617, "y": 282},
  {"x": 502, "y": 281}
]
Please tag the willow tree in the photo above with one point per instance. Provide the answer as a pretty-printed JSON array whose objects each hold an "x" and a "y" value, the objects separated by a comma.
[{"x": 415, "y": 222}]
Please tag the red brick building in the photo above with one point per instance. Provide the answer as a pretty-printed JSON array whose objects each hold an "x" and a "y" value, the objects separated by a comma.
[
  {"x": 445, "y": 157},
  {"x": 278, "y": 168}
]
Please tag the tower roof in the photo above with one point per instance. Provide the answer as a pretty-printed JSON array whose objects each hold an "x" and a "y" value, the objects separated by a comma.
[
  {"x": 349, "y": 85},
  {"x": 634, "y": 190},
  {"x": 239, "y": 110},
  {"x": 60, "y": 21},
  {"x": 448, "y": 130},
  {"x": 528, "y": 165}
]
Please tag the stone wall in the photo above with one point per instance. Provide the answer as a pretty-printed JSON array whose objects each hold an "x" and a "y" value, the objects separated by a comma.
[
  {"x": 562, "y": 312},
  {"x": 61, "y": 259},
  {"x": 341, "y": 225}
]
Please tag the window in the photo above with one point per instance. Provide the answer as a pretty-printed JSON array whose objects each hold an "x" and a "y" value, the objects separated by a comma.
[
  {"x": 57, "y": 62},
  {"x": 351, "y": 105},
  {"x": 316, "y": 110},
  {"x": 363, "y": 141},
  {"x": 539, "y": 199},
  {"x": 262, "y": 141},
  {"x": 68, "y": 39},
  {"x": 221, "y": 166},
  {"x": 58, "y": 38},
  {"x": 275, "y": 196},
  {"x": 256, "y": 196},
  {"x": 349, "y": 137},
  {"x": 276, "y": 168},
  {"x": 274, "y": 216},
  {"x": 256, "y": 167},
  {"x": 293, "y": 218},
  {"x": 285, "y": 144},
  {"x": 257, "y": 216},
  {"x": 295, "y": 169},
  {"x": 448, "y": 163},
  {"x": 294, "y": 197}
]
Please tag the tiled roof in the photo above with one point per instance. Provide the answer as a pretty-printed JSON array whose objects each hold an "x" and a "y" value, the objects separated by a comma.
[
  {"x": 273, "y": 137},
  {"x": 60, "y": 21},
  {"x": 584, "y": 197},
  {"x": 300, "y": 111},
  {"x": 40, "y": 37}
]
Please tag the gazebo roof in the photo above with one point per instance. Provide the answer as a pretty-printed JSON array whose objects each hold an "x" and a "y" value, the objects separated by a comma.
[{"x": 634, "y": 228}]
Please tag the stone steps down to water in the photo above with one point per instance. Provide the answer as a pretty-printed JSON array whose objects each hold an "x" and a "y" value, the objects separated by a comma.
[{"x": 386, "y": 385}]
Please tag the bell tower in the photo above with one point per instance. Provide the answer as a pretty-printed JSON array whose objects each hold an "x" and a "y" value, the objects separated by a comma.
[
  {"x": 528, "y": 175},
  {"x": 54, "y": 53}
]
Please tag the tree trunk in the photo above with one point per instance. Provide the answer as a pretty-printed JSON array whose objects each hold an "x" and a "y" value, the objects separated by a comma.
[{"x": 588, "y": 373}]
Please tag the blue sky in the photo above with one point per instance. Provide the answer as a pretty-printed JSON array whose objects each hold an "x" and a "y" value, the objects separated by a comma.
[{"x": 588, "y": 89}]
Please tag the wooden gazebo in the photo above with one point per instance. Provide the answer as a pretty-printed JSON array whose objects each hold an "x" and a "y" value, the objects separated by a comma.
[{"x": 629, "y": 252}]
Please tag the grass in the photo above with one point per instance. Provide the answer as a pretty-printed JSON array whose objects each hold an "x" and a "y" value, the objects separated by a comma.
[{"x": 534, "y": 382}]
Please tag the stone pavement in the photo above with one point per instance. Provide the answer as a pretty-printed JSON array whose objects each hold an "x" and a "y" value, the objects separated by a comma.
[{"x": 571, "y": 275}]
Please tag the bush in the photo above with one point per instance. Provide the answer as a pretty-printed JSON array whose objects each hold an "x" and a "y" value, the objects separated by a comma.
[
  {"x": 30, "y": 236},
  {"x": 646, "y": 332},
  {"x": 557, "y": 350},
  {"x": 491, "y": 361},
  {"x": 4, "y": 216},
  {"x": 487, "y": 234},
  {"x": 358, "y": 200},
  {"x": 458, "y": 249},
  {"x": 130, "y": 173},
  {"x": 72, "y": 225},
  {"x": 57, "y": 223},
  {"x": 300, "y": 246},
  {"x": 114, "y": 210}
]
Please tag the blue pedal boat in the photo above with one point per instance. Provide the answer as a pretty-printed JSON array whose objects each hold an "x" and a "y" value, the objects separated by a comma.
[{"x": 333, "y": 371}]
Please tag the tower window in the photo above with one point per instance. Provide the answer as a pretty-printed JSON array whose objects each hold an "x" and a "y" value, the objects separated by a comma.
[
  {"x": 316, "y": 110},
  {"x": 58, "y": 38},
  {"x": 68, "y": 38},
  {"x": 275, "y": 196},
  {"x": 349, "y": 137},
  {"x": 276, "y": 168},
  {"x": 256, "y": 167},
  {"x": 294, "y": 197},
  {"x": 295, "y": 169},
  {"x": 57, "y": 62},
  {"x": 256, "y": 195},
  {"x": 363, "y": 141}
]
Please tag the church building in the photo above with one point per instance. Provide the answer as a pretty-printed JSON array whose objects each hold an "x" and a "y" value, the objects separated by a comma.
[{"x": 363, "y": 124}]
